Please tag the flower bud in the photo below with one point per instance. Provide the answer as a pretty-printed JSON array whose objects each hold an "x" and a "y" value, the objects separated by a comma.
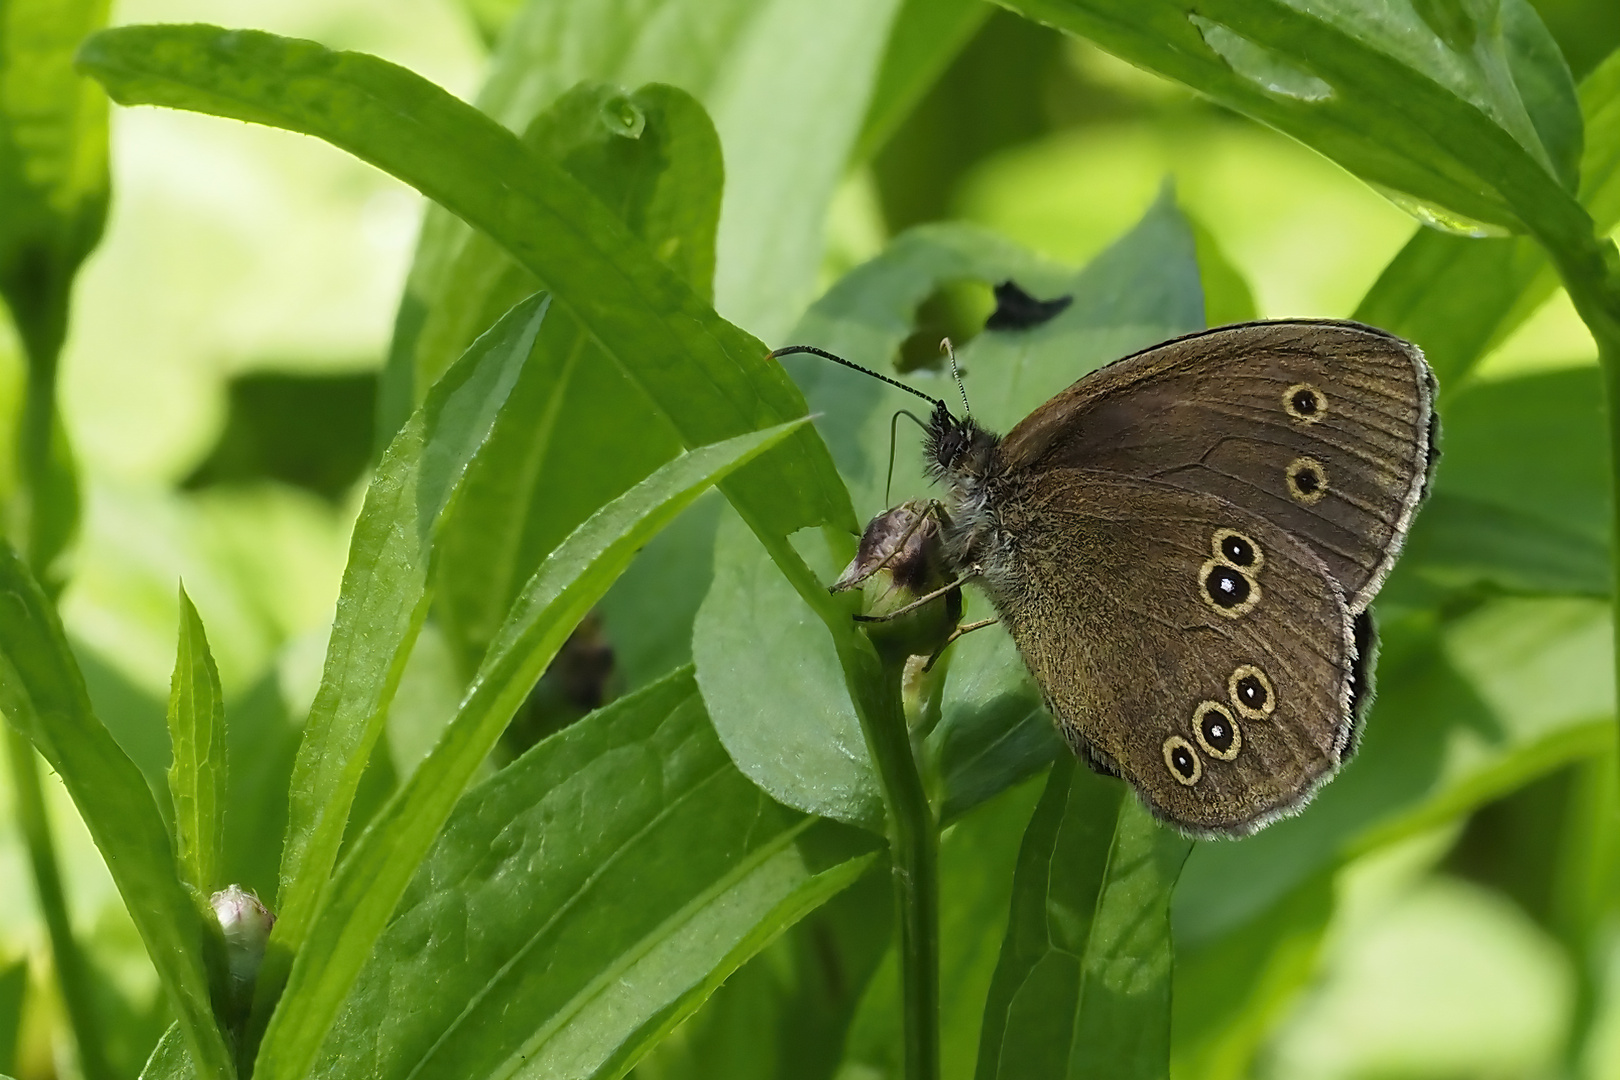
[
  {"x": 246, "y": 925},
  {"x": 900, "y": 559}
]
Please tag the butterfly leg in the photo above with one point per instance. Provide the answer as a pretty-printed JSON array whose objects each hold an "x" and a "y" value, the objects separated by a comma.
[
  {"x": 971, "y": 573},
  {"x": 958, "y": 632}
]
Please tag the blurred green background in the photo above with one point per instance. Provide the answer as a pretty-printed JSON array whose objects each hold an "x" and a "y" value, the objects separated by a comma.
[{"x": 219, "y": 381}]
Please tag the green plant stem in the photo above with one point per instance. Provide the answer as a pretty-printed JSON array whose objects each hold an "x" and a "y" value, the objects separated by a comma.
[
  {"x": 72, "y": 972},
  {"x": 914, "y": 858}
]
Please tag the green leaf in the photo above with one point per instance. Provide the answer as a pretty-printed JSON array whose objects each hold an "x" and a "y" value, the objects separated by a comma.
[
  {"x": 1083, "y": 984},
  {"x": 1469, "y": 117},
  {"x": 357, "y": 904},
  {"x": 652, "y": 157},
  {"x": 1521, "y": 501},
  {"x": 43, "y": 696},
  {"x": 579, "y": 432},
  {"x": 380, "y": 610},
  {"x": 198, "y": 777},
  {"x": 788, "y": 86},
  {"x": 580, "y": 903},
  {"x": 710, "y": 379},
  {"x": 53, "y": 164},
  {"x": 772, "y": 683},
  {"x": 1459, "y": 297}
]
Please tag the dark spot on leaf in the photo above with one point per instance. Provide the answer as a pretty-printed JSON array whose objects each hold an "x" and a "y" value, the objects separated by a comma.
[{"x": 1017, "y": 310}]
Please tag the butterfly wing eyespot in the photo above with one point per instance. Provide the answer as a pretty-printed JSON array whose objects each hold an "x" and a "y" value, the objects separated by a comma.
[
  {"x": 1307, "y": 480},
  {"x": 1228, "y": 590},
  {"x": 1182, "y": 760},
  {"x": 1217, "y": 732},
  {"x": 1237, "y": 549},
  {"x": 1251, "y": 692},
  {"x": 1305, "y": 403}
]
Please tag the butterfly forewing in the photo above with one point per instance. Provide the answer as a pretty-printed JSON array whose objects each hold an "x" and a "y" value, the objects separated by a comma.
[{"x": 1320, "y": 428}]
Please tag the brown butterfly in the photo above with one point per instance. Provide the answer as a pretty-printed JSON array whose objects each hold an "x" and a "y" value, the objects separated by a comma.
[{"x": 1183, "y": 545}]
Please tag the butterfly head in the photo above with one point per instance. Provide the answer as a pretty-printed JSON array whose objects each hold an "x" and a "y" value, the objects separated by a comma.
[{"x": 957, "y": 448}]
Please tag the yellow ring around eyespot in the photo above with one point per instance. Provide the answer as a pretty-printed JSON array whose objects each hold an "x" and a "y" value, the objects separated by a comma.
[
  {"x": 1297, "y": 468},
  {"x": 1246, "y": 711},
  {"x": 1316, "y": 395},
  {"x": 1236, "y": 610},
  {"x": 1204, "y": 708},
  {"x": 1171, "y": 745},
  {"x": 1222, "y": 534}
]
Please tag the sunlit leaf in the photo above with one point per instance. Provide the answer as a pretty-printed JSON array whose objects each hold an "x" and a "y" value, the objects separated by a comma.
[
  {"x": 356, "y": 905},
  {"x": 1472, "y": 119},
  {"x": 380, "y": 608}
]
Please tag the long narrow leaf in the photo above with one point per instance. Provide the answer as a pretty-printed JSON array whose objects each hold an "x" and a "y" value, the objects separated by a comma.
[
  {"x": 376, "y": 872},
  {"x": 197, "y": 732},
  {"x": 43, "y": 696},
  {"x": 1083, "y": 985},
  {"x": 380, "y": 609}
]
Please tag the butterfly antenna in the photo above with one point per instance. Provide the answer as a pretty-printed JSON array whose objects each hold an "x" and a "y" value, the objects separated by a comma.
[
  {"x": 945, "y": 345},
  {"x": 813, "y": 351},
  {"x": 893, "y": 423}
]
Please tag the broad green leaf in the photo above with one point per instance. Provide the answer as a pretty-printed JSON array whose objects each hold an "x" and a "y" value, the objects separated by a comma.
[
  {"x": 977, "y": 856},
  {"x": 1521, "y": 501},
  {"x": 1083, "y": 984},
  {"x": 13, "y": 991},
  {"x": 580, "y": 903},
  {"x": 1469, "y": 113},
  {"x": 357, "y": 904},
  {"x": 43, "y": 697},
  {"x": 753, "y": 637},
  {"x": 786, "y": 1013},
  {"x": 1466, "y": 710},
  {"x": 579, "y": 432},
  {"x": 772, "y": 683},
  {"x": 1458, "y": 297},
  {"x": 197, "y": 779},
  {"x": 711, "y": 380},
  {"x": 53, "y": 203},
  {"x": 380, "y": 609},
  {"x": 787, "y": 83}
]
